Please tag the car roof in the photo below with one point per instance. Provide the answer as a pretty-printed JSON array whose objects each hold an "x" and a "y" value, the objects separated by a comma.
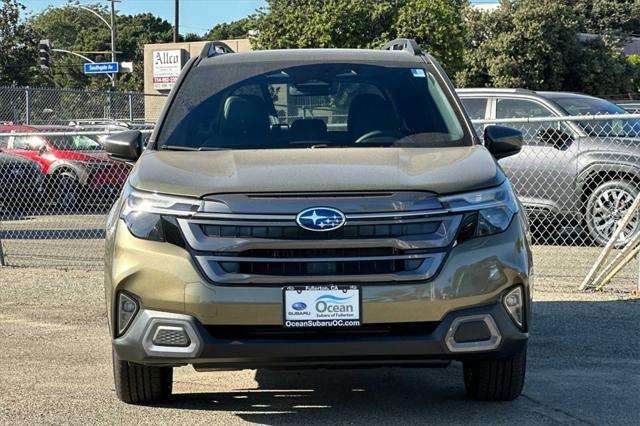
[
  {"x": 314, "y": 56},
  {"x": 556, "y": 95},
  {"x": 544, "y": 93},
  {"x": 492, "y": 90}
]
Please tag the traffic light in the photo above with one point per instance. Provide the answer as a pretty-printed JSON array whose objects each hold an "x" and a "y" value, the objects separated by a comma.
[{"x": 45, "y": 49}]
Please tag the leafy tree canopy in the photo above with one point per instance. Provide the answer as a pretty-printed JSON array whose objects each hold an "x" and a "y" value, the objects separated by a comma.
[
  {"x": 18, "y": 47},
  {"x": 229, "y": 30},
  {"x": 78, "y": 30}
]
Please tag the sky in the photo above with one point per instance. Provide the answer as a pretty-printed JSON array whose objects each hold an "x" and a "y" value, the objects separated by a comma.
[{"x": 196, "y": 16}]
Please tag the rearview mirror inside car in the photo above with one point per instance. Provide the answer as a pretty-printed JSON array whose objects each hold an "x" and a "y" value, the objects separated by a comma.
[
  {"x": 502, "y": 141},
  {"x": 124, "y": 146},
  {"x": 558, "y": 138}
]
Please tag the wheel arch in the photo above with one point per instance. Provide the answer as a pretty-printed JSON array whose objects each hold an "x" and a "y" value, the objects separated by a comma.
[
  {"x": 60, "y": 167},
  {"x": 599, "y": 173}
]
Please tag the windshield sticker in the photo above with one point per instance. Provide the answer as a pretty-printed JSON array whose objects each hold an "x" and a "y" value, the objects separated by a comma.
[{"x": 418, "y": 72}]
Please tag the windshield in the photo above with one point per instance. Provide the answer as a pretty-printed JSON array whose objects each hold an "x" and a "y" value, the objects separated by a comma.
[
  {"x": 595, "y": 106},
  {"x": 313, "y": 106},
  {"x": 74, "y": 143}
]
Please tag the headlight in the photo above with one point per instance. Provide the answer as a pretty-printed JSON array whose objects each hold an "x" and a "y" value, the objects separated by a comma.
[
  {"x": 143, "y": 212},
  {"x": 489, "y": 211}
]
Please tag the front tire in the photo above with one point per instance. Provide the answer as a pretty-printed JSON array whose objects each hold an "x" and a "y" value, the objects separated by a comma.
[
  {"x": 495, "y": 379},
  {"x": 67, "y": 191},
  {"x": 139, "y": 384},
  {"x": 606, "y": 207}
]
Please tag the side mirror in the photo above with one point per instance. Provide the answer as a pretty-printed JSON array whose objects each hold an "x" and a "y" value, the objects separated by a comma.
[
  {"x": 502, "y": 141},
  {"x": 124, "y": 146},
  {"x": 558, "y": 138}
]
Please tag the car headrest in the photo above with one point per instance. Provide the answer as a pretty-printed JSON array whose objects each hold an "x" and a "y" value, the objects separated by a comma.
[
  {"x": 369, "y": 112},
  {"x": 244, "y": 117},
  {"x": 309, "y": 129}
]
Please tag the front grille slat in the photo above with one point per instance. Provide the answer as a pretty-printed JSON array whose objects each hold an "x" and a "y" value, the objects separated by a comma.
[{"x": 293, "y": 232}]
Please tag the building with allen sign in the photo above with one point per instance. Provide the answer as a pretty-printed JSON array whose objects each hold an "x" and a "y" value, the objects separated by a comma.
[{"x": 163, "y": 63}]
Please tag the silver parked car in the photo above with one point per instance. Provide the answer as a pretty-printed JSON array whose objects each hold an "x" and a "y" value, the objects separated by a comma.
[{"x": 584, "y": 172}]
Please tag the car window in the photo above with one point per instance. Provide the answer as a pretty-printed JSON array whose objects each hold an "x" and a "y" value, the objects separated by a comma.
[
  {"x": 595, "y": 106},
  {"x": 476, "y": 107},
  {"x": 4, "y": 141},
  {"x": 315, "y": 105},
  {"x": 524, "y": 108},
  {"x": 27, "y": 142},
  {"x": 74, "y": 143}
]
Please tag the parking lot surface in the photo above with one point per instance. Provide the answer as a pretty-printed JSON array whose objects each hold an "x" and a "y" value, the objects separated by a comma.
[{"x": 56, "y": 368}]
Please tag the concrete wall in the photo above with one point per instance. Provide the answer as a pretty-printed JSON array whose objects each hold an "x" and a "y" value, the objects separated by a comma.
[{"x": 153, "y": 104}]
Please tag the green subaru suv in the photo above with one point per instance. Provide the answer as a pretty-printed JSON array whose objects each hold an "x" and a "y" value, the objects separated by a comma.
[{"x": 317, "y": 208}]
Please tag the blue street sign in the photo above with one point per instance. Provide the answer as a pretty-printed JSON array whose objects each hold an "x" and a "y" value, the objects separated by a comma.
[{"x": 102, "y": 68}]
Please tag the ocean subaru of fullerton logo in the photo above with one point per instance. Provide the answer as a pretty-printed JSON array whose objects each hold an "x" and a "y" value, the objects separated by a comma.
[
  {"x": 333, "y": 304},
  {"x": 320, "y": 219}
]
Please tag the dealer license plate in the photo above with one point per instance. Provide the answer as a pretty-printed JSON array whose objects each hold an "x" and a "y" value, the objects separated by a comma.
[{"x": 322, "y": 306}]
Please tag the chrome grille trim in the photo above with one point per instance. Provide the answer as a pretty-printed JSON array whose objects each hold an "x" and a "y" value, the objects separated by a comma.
[
  {"x": 349, "y": 216},
  {"x": 238, "y": 259}
]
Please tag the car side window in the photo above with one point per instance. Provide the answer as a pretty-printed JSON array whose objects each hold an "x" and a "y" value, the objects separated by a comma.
[
  {"x": 4, "y": 141},
  {"x": 476, "y": 110},
  {"x": 475, "y": 107},
  {"x": 525, "y": 108},
  {"x": 27, "y": 142}
]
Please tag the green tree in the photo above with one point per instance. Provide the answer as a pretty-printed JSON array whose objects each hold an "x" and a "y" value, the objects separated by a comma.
[
  {"x": 437, "y": 26},
  {"x": 332, "y": 23},
  {"x": 615, "y": 19},
  {"x": 535, "y": 45},
  {"x": 230, "y": 30},
  {"x": 78, "y": 30},
  {"x": 18, "y": 47}
]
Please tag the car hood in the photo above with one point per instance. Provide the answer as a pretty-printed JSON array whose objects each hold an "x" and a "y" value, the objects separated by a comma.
[{"x": 196, "y": 174}]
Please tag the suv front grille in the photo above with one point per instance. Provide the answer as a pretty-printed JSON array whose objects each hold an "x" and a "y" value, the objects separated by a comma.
[{"x": 252, "y": 248}]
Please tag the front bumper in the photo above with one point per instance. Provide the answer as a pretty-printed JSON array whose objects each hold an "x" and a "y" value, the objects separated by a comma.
[
  {"x": 167, "y": 283},
  {"x": 205, "y": 351}
]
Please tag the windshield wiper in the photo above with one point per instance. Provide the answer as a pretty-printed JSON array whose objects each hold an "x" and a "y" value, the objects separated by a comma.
[
  {"x": 177, "y": 148},
  {"x": 191, "y": 148}
]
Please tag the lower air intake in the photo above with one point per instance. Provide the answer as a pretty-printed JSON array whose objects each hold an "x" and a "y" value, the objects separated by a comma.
[{"x": 170, "y": 336}]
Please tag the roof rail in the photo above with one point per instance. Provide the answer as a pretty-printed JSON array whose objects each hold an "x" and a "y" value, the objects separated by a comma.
[
  {"x": 407, "y": 44},
  {"x": 214, "y": 48}
]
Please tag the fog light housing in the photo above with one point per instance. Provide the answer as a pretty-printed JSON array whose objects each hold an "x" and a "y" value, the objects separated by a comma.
[
  {"x": 127, "y": 309},
  {"x": 513, "y": 302}
]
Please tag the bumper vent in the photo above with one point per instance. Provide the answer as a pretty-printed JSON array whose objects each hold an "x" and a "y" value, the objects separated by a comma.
[{"x": 170, "y": 336}]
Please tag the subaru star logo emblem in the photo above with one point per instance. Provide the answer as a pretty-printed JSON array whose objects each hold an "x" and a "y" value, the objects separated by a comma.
[
  {"x": 299, "y": 306},
  {"x": 320, "y": 219}
]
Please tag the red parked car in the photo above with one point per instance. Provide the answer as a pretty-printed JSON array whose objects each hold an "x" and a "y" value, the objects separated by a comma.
[{"x": 76, "y": 168}]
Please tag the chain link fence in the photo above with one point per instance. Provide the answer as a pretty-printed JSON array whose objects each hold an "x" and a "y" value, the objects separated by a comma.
[
  {"x": 576, "y": 176},
  {"x": 57, "y": 183}
]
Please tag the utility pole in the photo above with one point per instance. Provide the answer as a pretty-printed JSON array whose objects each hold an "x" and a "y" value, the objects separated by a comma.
[
  {"x": 113, "y": 39},
  {"x": 176, "y": 14}
]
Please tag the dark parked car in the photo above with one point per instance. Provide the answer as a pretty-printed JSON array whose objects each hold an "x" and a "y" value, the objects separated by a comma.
[
  {"x": 584, "y": 171},
  {"x": 19, "y": 182}
]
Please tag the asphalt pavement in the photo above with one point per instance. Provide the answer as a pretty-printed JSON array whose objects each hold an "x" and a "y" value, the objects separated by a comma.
[{"x": 583, "y": 368}]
